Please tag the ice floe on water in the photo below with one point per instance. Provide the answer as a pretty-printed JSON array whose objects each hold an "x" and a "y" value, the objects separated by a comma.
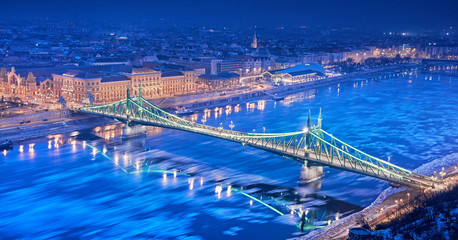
[{"x": 232, "y": 231}]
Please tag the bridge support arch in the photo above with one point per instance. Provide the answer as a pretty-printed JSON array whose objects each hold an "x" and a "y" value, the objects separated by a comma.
[{"x": 310, "y": 173}]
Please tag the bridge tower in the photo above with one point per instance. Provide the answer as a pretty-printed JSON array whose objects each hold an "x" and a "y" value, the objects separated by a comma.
[
  {"x": 308, "y": 135},
  {"x": 129, "y": 130},
  {"x": 308, "y": 172}
]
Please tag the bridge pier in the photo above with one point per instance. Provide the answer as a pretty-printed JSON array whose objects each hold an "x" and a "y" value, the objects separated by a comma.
[
  {"x": 133, "y": 131},
  {"x": 310, "y": 173}
]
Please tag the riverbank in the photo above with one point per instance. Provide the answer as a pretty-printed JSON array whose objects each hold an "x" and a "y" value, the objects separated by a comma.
[
  {"x": 78, "y": 122},
  {"x": 388, "y": 204},
  {"x": 203, "y": 101}
]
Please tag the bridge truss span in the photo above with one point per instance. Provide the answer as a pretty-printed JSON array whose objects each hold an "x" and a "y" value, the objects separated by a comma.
[{"x": 312, "y": 145}]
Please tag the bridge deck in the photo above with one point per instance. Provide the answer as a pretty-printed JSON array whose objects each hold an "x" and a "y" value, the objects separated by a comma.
[{"x": 291, "y": 145}]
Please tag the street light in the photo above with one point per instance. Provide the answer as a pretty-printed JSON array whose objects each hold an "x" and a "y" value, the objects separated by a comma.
[{"x": 231, "y": 125}]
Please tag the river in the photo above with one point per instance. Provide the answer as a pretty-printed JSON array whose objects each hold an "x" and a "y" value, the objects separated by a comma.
[{"x": 177, "y": 185}]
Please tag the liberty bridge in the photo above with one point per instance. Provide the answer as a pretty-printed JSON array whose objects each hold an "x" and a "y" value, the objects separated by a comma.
[{"x": 312, "y": 146}]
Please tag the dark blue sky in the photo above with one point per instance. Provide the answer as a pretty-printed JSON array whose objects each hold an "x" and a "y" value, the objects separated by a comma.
[{"x": 384, "y": 14}]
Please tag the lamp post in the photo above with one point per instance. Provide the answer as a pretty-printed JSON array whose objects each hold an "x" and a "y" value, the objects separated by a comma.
[
  {"x": 231, "y": 125},
  {"x": 220, "y": 128}
]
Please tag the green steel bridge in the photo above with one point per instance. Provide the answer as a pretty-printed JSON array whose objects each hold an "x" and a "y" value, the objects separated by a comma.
[{"x": 311, "y": 146}]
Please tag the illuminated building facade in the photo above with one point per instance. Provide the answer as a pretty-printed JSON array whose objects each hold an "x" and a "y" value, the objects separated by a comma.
[
  {"x": 224, "y": 80},
  {"x": 13, "y": 84},
  {"x": 301, "y": 73}
]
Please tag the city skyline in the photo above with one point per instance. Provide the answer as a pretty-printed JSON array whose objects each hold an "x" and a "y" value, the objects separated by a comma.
[{"x": 375, "y": 15}]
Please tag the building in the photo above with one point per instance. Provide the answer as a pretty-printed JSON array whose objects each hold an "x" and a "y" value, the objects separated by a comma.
[
  {"x": 177, "y": 79},
  {"x": 13, "y": 84},
  {"x": 230, "y": 65},
  {"x": 113, "y": 88},
  {"x": 297, "y": 74},
  {"x": 178, "y": 83},
  {"x": 75, "y": 85},
  {"x": 224, "y": 80},
  {"x": 148, "y": 79},
  {"x": 250, "y": 65},
  {"x": 210, "y": 64}
]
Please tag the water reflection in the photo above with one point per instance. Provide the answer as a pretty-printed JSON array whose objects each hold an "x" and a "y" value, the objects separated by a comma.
[{"x": 137, "y": 159}]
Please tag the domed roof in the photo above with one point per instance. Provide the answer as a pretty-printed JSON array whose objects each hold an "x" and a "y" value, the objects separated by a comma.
[{"x": 304, "y": 67}]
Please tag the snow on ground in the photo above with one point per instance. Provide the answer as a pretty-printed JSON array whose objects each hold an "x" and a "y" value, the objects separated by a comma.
[{"x": 437, "y": 165}]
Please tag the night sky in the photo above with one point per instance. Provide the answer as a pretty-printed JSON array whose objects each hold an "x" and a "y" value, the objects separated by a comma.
[{"x": 377, "y": 14}]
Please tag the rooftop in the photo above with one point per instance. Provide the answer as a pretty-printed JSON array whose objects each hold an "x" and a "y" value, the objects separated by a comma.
[
  {"x": 172, "y": 74},
  {"x": 80, "y": 74},
  {"x": 115, "y": 78},
  {"x": 301, "y": 68}
]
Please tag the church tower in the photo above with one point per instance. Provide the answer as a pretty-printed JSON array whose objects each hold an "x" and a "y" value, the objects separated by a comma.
[{"x": 254, "y": 44}]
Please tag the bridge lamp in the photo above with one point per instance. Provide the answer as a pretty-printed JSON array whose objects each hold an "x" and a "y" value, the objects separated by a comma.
[
  {"x": 231, "y": 125},
  {"x": 442, "y": 174},
  {"x": 305, "y": 129},
  {"x": 264, "y": 129}
]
